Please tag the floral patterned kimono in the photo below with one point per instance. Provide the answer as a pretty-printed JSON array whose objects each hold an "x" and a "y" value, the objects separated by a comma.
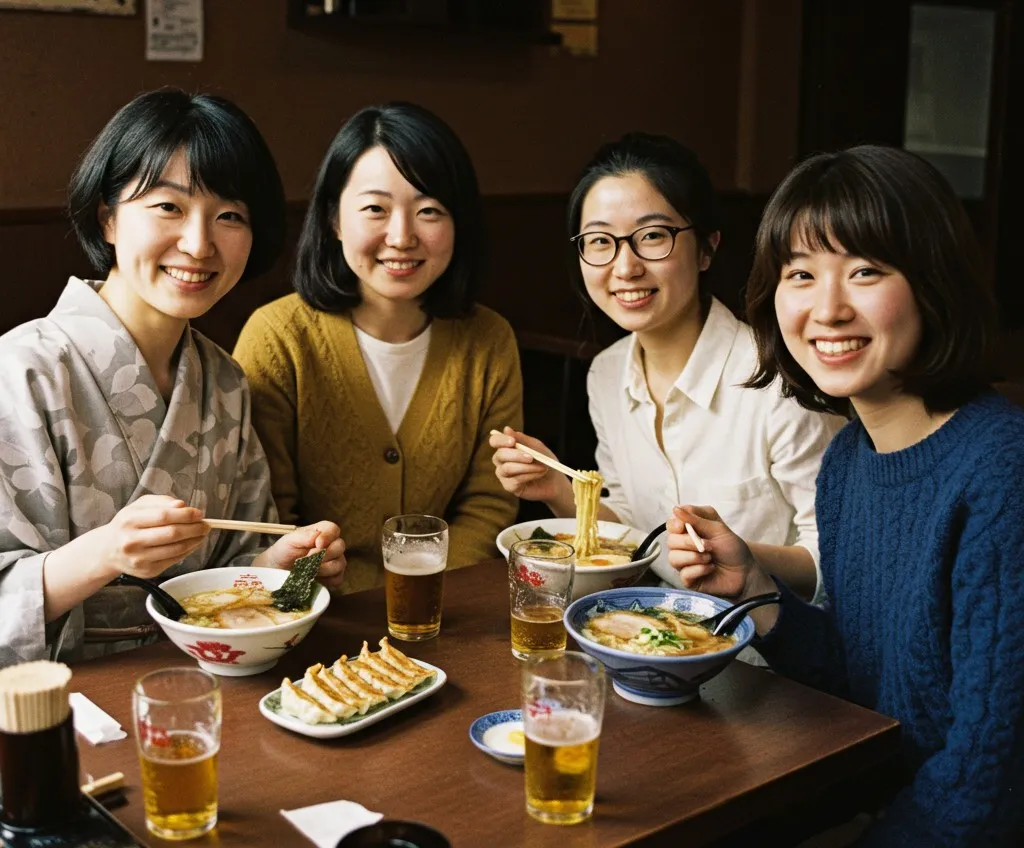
[{"x": 84, "y": 431}]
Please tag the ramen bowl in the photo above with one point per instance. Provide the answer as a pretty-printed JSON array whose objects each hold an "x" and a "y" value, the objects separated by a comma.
[
  {"x": 657, "y": 681},
  {"x": 235, "y": 652},
  {"x": 589, "y": 578}
]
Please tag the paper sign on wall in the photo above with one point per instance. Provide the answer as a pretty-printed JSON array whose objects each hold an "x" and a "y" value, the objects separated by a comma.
[{"x": 174, "y": 30}]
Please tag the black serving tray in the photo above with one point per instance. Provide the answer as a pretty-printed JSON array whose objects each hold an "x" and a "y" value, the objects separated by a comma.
[{"x": 95, "y": 828}]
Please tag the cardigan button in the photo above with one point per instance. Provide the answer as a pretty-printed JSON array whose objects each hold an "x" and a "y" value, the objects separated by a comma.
[{"x": 391, "y": 456}]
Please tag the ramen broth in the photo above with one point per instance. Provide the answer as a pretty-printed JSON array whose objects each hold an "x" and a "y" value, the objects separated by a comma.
[
  {"x": 609, "y": 551},
  {"x": 654, "y": 631},
  {"x": 235, "y": 608}
]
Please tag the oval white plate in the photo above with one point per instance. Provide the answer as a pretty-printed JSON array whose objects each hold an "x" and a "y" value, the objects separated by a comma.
[
  {"x": 490, "y": 734},
  {"x": 270, "y": 706}
]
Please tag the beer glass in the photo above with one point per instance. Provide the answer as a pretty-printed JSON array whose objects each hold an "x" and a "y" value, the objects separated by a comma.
[
  {"x": 563, "y": 704},
  {"x": 415, "y": 549},
  {"x": 177, "y": 727},
  {"x": 540, "y": 575}
]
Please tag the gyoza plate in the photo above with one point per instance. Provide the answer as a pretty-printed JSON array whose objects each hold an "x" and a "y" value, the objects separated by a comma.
[{"x": 270, "y": 706}]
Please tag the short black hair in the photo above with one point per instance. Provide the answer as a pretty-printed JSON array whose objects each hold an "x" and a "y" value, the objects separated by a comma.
[
  {"x": 225, "y": 156},
  {"x": 427, "y": 153},
  {"x": 892, "y": 207},
  {"x": 672, "y": 168}
]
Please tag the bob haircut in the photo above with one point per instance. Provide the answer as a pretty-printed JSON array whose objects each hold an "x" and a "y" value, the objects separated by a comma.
[
  {"x": 429, "y": 155},
  {"x": 675, "y": 172},
  {"x": 894, "y": 208},
  {"x": 225, "y": 156}
]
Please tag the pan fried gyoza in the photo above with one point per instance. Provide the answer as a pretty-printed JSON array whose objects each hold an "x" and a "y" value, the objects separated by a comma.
[{"x": 351, "y": 687}]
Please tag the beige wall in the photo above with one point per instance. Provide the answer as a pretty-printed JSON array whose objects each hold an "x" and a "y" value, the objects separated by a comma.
[{"x": 699, "y": 70}]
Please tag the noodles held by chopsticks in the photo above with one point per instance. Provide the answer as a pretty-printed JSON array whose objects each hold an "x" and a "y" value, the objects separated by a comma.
[{"x": 588, "y": 499}]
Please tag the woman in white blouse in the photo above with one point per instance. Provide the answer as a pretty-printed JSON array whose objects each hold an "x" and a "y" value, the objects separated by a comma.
[{"x": 674, "y": 423}]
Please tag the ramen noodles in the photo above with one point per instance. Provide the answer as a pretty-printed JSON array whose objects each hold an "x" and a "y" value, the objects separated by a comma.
[
  {"x": 654, "y": 631},
  {"x": 610, "y": 551},
  {"x": 234, "y": 608},
  {"x": 588, "y": 500}
]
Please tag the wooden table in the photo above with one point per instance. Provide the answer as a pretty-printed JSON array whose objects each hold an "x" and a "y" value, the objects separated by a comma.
[{"x": 770, "y": 740}]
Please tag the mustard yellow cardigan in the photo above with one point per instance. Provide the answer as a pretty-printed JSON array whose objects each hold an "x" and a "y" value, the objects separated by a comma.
[{"x": 331, "y": 450}]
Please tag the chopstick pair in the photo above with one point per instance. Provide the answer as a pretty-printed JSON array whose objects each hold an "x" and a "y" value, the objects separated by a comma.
[
  {"x": 249, "y": 526},
  {"x": 547, "y": 460}
]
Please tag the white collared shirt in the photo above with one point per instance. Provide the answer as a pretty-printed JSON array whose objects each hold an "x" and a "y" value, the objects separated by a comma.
[{"x": 750, "y": 453}]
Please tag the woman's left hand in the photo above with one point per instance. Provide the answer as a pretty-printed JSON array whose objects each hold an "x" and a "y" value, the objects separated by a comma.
[{"x": 325, "y": 536}]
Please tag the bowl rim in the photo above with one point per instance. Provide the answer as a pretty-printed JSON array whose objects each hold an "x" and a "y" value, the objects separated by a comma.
[
  {"x": 166, "y": 622},
  {"x": 652, "y": 554},
  {"x": 593, "y": 597}
]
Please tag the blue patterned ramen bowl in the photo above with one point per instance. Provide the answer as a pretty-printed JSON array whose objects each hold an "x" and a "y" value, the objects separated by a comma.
[{"x": 659, "y": 681}]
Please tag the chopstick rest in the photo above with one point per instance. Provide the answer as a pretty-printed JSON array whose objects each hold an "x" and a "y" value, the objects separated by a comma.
[
  {"x": 104, "y": 785},
  {"x": 325, "y": 824},
  {"x": 94, "y": 724}
]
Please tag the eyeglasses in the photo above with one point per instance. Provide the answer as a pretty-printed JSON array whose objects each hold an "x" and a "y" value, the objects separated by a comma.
[{"x": 651, "y": 243}]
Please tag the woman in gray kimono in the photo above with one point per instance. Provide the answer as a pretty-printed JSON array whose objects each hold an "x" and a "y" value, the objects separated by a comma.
[{"x": 121, "y": 427}]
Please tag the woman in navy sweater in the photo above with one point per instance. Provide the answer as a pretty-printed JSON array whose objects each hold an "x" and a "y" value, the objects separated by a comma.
[{"x": 866, "y": 297}]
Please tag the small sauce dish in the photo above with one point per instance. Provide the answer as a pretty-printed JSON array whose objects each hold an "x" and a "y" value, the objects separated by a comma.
[{"x": 501, "y": 735}]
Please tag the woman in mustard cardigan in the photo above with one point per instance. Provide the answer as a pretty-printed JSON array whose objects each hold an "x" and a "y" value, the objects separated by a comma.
[{"x": 376, "y": 384}]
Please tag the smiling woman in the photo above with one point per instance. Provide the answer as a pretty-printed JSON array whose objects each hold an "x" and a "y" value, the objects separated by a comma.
[
  {"x": 377, "y": 383},
  {"x": 121, "y": 426}
]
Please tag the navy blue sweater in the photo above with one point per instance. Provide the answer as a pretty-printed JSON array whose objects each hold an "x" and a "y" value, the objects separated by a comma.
[{"x": 922, "y": 554}]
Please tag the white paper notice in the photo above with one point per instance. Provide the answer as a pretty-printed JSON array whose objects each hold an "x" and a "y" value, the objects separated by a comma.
[{"x": 174, "y": 30}]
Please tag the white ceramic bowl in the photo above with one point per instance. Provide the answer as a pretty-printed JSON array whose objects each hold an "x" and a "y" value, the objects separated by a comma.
[
  {"x": 589, "y": 578},
  {"x": 235, "y": 653}
]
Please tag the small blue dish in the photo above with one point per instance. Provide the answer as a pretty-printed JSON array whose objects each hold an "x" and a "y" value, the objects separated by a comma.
[{"x": 501, "y": 735}]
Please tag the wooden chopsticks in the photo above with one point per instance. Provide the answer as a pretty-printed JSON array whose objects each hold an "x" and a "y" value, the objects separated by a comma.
[
  {"x": 249, "y": 526},
  {"x": 547, "y": 460}
]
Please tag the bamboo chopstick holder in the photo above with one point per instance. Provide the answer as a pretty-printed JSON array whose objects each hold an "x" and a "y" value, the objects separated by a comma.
[
  {"x": 249, "y": 526},
  {"x": 548, "y": 461}
]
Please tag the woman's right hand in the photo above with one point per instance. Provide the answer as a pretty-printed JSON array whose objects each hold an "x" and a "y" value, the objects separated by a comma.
[
  {"x": 149, "y": 536},
  {"x": 520, "y": 474},
  {"x": 726, "y": 568}
]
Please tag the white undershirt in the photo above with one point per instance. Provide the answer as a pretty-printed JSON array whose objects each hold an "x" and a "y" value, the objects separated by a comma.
[{"x": 394, "y": 370}]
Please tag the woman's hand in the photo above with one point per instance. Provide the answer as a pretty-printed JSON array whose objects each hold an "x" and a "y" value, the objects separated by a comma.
[
  {"x": 726, "y": 568},
  {"x": 149, "y": 536},
  {"x": 325, "y": 536},
  {"x": 520, "y": 474}
]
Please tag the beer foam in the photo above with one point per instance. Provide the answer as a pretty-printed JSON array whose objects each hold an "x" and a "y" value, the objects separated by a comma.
[
  {"x": 209, "y": 746},
  {"x": 563, "y": 727},
  {"x": 415, "y": 564}
]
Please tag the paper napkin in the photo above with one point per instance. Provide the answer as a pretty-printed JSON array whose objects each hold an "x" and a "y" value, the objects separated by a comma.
[
  {"x": 325, "y": 824},
  {"x": 94, "y": 724}
]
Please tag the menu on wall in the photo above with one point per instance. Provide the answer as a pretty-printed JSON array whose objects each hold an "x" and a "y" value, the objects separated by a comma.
[{"x": 174, "y": 30}]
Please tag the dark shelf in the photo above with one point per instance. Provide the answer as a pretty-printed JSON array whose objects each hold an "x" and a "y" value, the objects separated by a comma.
[{"x": 481, "y": 21}]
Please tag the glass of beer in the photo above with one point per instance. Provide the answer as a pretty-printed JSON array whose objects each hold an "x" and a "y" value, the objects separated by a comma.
[
  {"x": 415, "y": 551},
  {"x": 563, "y": 705},
  {"x": 177, "y": 727},
  {"x": 540, "y": 575}
]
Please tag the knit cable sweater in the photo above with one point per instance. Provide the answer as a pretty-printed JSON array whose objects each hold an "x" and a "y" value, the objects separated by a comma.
[
  {"x": 921, "y": 553},
  {"x": 333, "y": 455}
]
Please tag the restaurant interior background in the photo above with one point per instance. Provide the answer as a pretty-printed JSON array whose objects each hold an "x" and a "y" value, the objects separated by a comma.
[{"x": 750, "y": 85}]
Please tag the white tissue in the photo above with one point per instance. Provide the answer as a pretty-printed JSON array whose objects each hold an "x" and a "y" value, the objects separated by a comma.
[
  {"x": 325, "y": 824},
  {"x": 94, "y": 724}
]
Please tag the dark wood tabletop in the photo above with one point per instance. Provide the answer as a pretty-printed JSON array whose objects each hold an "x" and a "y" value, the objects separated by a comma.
[{"x": 769, "y": 740}]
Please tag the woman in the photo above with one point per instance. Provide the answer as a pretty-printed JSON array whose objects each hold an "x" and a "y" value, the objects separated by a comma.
[
  {"x": 866, "y": 293},
  {"x": 377, "y": 383},
  {"x": 672, "y": 419},
  {"x": 122, "y": 427}
]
